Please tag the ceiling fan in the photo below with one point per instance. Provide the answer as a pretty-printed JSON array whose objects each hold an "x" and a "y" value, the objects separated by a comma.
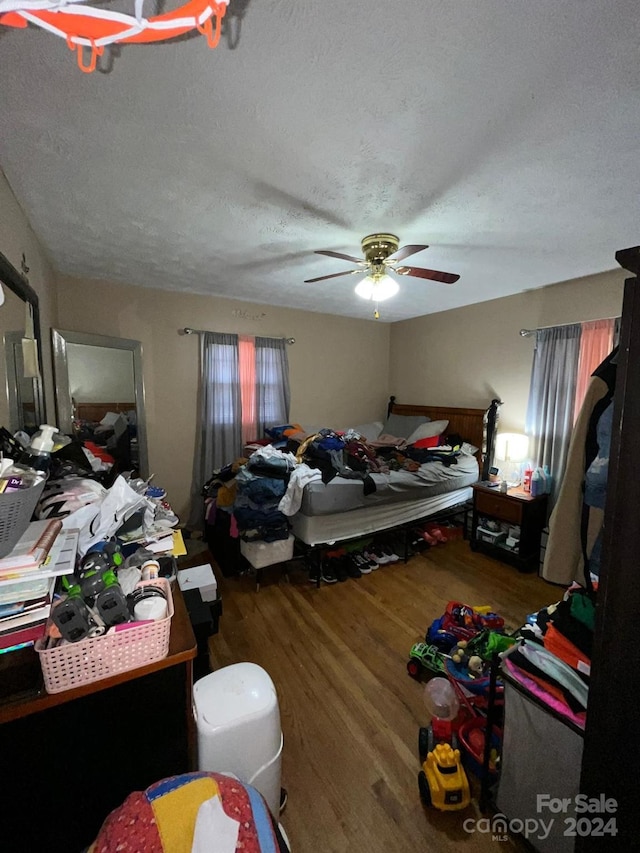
[{"x": 381, "y": 257}]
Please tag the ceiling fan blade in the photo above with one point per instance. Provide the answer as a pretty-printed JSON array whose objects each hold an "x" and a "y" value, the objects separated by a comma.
[
  {"x": 434, "y": 275},
  {"x": 333, "y": 275},
  {"x": 340, "y": 255},
  {"x": 405, "y": 251}
]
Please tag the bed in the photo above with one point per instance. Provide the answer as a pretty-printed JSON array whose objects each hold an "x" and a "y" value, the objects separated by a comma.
[{"x": 340, "y": 510}]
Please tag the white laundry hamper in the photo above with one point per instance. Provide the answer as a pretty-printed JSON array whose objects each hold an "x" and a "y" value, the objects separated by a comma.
[{"x": 238, "y": 724}]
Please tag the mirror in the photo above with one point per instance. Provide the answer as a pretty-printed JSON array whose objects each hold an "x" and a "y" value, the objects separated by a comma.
[
  {"x": 22, "y": 405},
  {"x": 97, "y": 379}
]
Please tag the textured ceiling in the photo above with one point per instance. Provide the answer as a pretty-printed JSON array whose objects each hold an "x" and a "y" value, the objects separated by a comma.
[{"x": 505, "y": 134}]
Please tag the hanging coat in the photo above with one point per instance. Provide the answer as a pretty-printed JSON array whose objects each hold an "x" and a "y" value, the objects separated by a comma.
[{"x": 571, "y": 532}]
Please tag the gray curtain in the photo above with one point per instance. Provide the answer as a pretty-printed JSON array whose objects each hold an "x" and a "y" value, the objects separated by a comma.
[
  {"x": 549, "y": 419},
  {"x": 272, "y": 379},
  {"x": 219, "y": 436}
]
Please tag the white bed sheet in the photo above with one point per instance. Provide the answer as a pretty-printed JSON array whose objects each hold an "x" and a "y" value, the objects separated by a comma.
[
  {"x": 342, "y": 495},
  {"x": 327, "y": 529}
]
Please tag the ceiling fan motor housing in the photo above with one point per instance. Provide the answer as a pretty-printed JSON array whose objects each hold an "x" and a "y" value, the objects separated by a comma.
[{"x": 377, "y": 247}]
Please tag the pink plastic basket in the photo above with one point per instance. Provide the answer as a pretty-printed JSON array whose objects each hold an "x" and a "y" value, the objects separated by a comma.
[{"x": 117, "y": 651}]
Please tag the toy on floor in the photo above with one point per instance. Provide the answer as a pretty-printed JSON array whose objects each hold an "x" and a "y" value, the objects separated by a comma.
[
  {"x": 425, "y": 657},
  {"x": 461, "y": 656},
  {"x": 442, "y": 702},
  {"x": 469, "y": 663},
  {"x": 461, "y": 622},
  {"x": 442, "y": 781},
  {"x": 472, "y": 737}
]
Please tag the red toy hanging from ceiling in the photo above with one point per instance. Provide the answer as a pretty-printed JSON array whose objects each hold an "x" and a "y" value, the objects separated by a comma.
[{"x": 89, "y": 27}]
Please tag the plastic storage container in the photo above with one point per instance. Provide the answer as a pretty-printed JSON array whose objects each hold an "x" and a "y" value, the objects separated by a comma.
[
  {"x": 238, "y": 723},
  {"x": 122, "y": 648},
  {"x": 16, "y": 509},
  {"x": 261, "y": 554}
]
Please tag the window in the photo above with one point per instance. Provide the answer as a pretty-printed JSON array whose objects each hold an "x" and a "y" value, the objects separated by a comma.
[{"x": 244, "y": 388}]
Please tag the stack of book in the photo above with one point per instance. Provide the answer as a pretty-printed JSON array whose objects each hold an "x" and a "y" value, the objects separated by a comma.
[{"x": 28, "y": 576}]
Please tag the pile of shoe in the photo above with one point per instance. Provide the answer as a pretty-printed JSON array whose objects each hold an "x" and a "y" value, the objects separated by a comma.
[
  {"x": 386, "y": 550},
  {"x": 340, "y": 564}
]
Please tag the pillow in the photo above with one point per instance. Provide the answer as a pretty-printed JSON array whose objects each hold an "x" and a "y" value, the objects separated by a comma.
[
  {"x": 401, "y": 426},
  {"x": 427, "y": 431},
  {"x": 369, "y": 431}
]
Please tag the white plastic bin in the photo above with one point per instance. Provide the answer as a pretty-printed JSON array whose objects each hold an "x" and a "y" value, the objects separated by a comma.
[
  {"x": 238, "y": 724},
  {"x": 261, "y": 554}
]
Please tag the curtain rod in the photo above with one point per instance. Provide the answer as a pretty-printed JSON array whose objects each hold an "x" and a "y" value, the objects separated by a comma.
[
  {"x": 524, "y": 333},
  {"x": 189, "y": 331}
]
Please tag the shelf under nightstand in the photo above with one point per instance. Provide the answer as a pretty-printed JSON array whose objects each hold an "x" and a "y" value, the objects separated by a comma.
[{"x": 512, "y": 509}]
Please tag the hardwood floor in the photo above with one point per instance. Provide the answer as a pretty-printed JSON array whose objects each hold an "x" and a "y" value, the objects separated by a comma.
[{"x": 350, "y": 713}]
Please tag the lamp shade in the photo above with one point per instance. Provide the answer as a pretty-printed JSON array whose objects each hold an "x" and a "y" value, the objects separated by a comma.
[
  {"x": 511, "y": 447},
  {"x": 377, "y": 287}
]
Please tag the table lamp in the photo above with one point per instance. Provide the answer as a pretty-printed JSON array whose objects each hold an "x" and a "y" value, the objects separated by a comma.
[{"x": 511, "y": 450}]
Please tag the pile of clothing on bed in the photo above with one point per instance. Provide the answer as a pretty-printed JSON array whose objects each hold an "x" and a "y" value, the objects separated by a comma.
[{"x": 262, "y": 491}]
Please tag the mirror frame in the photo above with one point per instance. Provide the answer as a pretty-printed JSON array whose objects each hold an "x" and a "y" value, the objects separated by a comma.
[
  {"x": 64, "y": 405},
  {"x": 18, "y": 284}
]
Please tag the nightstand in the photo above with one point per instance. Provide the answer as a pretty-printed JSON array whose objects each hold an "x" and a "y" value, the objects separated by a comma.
[{"x": 508, "y": 525}]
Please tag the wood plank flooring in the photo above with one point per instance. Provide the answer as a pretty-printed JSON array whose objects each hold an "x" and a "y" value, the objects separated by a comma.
[{"x": 350, "y": 713}]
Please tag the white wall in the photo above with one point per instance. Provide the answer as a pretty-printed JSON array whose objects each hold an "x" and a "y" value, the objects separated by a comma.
[{"x": 467, "y": 356}]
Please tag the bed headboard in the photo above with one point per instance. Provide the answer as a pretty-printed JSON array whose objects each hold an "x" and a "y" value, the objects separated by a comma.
[
  {"x": 94, "y": 412},
  {"x": 469, "y": 423}
]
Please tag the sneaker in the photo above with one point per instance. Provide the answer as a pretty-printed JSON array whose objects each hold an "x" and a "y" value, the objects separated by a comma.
[
  {"x": 396, "y": 543},
  {"x": 341, "y": 569},
  {"x": 390, "y": 553},
  {"x": 373, "y": 565},
  {"x": 360, "y": 563},
  {"x": 368, "y": 560},
  {"x": 314, "y": 575},
  {"x": 373, "y": 557},
  {"x": 351, "y": 568},
  {"x": 379, "y": 555},
  {"x": 328, "y": 571}
]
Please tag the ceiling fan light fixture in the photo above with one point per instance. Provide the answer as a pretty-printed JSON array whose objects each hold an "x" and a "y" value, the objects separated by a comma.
[{"x": 377, "y": 288}]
